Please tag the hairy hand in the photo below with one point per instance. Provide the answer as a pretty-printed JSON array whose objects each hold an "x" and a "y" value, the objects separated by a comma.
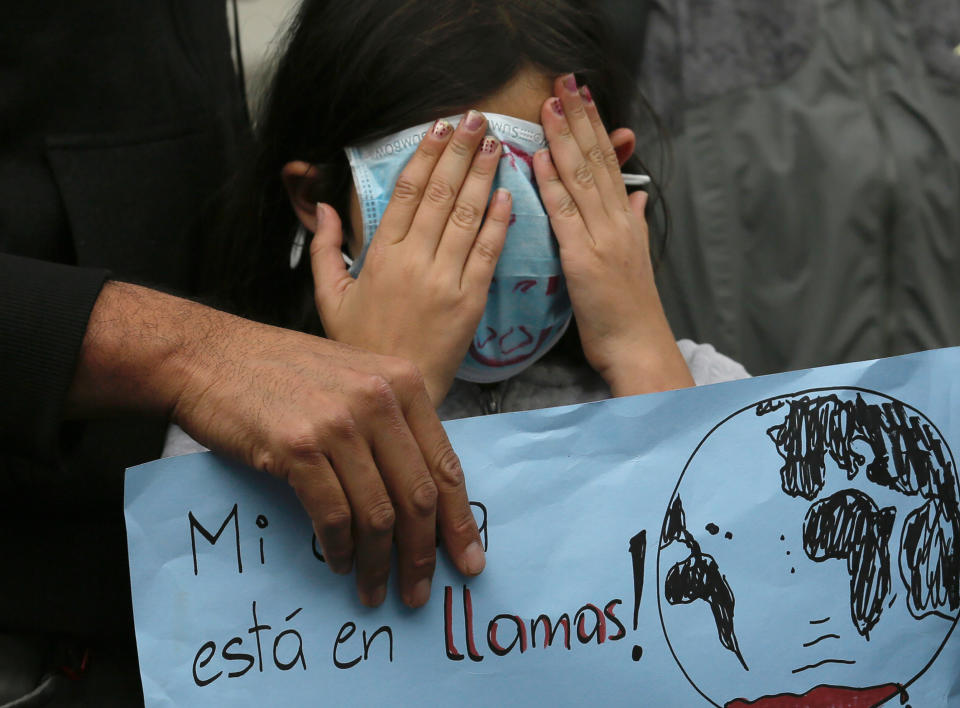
[{"x": 353, "y": 433}]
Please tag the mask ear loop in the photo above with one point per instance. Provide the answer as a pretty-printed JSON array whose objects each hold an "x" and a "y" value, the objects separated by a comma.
[
  {"x": 635, "y": 180},
  {"x": 296, "y": 250}
]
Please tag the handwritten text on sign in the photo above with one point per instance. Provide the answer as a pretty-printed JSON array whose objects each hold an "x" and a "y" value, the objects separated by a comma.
[
  {"x": 781, "y": 541},
  {"x": 504, "y": 633}
]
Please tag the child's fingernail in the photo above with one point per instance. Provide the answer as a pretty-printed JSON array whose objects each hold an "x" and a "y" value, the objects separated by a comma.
[
  {"x": 570, "y": 83},
  {"x": 442, "y": 128},
  {"x": 556, "y": 106},
  {"x": 585, "y": 94},
  {"x": 501, "y": 195},
  {"x": 320, "y": 215},
  {"x": 489, "y": 144},
  {"x": 543, "y": 155},
  {"x": 474, "y": 120}
]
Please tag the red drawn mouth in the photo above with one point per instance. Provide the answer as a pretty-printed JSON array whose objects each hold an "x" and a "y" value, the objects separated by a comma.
[
  {"x": 824, "y": 697},
  {"x": 508, "y": 360}
]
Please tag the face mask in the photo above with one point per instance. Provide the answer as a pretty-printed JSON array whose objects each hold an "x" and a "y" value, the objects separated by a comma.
[{"x": 528, "y": 308}]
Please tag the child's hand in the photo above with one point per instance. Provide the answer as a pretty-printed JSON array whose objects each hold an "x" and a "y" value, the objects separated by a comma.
[
  {"x": 423, "y": 286},
  {"x": 604, "y": 250}
]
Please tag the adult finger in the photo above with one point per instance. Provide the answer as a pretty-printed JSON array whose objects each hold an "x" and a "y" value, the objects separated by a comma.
[
  {"x": 483, "y": 256},
  {"x": 584, "y": 132},
  {"x": 571, "y": 165},
  {"x": 372, "y": 510},
  {"x": 445, "y": 182},
  {"x": 465, "y": 219},
  {"x": 414, "y": 496},
  {"x": 410, "y": 186},
  {"x": 320, "y": 494},
  {"x": 412, "y": 503},
  {"x": 330, "y": 276},
  {"x": 458, "y": 528},
  {"x": 565, "y": 217},
  {"x": 606, "y": 147}
]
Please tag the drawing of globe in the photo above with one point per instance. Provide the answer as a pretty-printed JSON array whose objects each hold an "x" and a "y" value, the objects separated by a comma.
[{"x": 809, "y": 550}]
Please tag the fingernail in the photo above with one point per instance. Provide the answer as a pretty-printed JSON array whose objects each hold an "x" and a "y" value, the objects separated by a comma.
[
  {"x": 556, "y": 106},
  {"x": 501, "y": 195},
  {"x": 442, "y": 128},
  {"x": 543, "y": 155},
  {"x": 489, "y": 144},
  {"x": 474, "y": 120},
  {"x": 474, "y": 559},
  {"x": 376, "y": 598},
  {"x": 420, "y": 594},
  {"x": 341, "y": 568},
  {"x": 585, "y": 94},
  {"x": 570, "y": 83},
  {"x": 320, "y": 215}
]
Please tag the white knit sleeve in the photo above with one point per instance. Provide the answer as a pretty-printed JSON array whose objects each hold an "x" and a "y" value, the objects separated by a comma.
[{"x": 709, "y": 366}]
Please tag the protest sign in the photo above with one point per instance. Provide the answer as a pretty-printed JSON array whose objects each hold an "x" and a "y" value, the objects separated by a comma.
[{"x": 787, "y": 540}]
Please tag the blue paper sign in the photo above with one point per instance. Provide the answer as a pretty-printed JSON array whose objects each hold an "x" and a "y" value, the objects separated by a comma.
[{"x": 783, "y": 541}]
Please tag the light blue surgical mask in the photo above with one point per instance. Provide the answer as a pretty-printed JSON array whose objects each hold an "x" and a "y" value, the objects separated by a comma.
[{"x": 528, "y": 308}]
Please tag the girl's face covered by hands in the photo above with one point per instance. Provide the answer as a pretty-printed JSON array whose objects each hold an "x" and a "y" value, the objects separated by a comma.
[
  {"x": 422, "y": 294},
  {"x": 527, "y": 308}
]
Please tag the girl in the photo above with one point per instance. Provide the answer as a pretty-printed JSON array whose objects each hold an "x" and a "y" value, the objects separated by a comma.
[
  {"x": 357, "y": 146},
  {"x": 353, "y": 72}
]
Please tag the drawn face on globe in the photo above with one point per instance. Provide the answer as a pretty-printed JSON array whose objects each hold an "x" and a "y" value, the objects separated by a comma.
[{"x": 843, "y": 582}]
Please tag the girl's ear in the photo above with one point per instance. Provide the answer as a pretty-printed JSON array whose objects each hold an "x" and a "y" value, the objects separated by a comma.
[
  {"x": 299, "y": 180},
  {"x": 624, "y": 142}
]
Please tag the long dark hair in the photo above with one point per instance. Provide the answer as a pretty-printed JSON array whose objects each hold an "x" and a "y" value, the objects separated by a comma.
[{"x": 349, "y": 71}]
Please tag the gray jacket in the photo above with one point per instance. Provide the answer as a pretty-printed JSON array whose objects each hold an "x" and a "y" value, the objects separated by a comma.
[{"x": 815, "y": 189}]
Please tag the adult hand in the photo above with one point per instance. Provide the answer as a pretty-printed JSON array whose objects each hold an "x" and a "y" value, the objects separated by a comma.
[
  {"x": 604, "y": 249},
  {"x": 352, "y": 432},
  {"x": 424, "y": 282}
]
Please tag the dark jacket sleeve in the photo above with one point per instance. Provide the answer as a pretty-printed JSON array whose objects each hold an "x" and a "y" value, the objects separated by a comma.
[{"x": 44, "y": 309}]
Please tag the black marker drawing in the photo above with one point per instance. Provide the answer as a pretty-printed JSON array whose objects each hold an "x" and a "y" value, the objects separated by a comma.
[
  {"x": 638, "y": 556},
  {"x": 821, "y": 638},
  {"x": 853, "y": 543},
  {"x": 908, "y": 457},
  {"x": 698, "y": 578},
  {"x": 849, "y": 526}
]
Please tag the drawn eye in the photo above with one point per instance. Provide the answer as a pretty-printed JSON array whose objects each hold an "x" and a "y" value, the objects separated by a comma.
[
  {"x": 524, "y": 285},
  {"x": 491, "y": 334}
]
